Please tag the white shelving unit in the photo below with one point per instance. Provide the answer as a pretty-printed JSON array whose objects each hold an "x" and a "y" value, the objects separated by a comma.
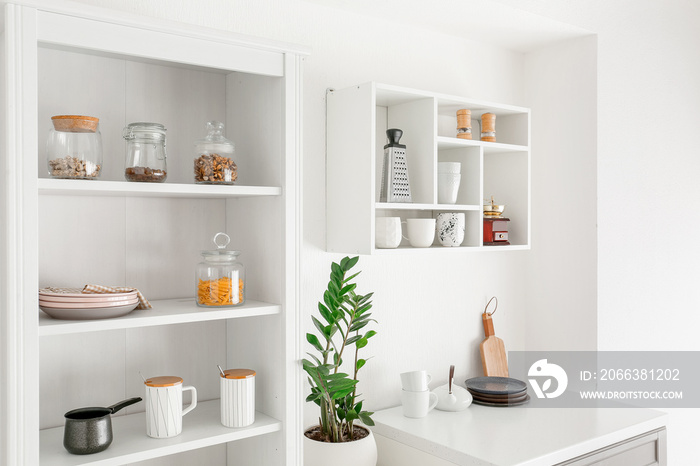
[
  {"x": 63, "y": 58},
  {"x": 358, "y": 118}
]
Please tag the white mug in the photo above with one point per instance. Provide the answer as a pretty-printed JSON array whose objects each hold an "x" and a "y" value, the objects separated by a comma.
[
  {"x": 237, "y": 397},
  {"x": 415, "y": 381},
  {"x": 387, "y": 232},
  {"x": 450, "y": 228},
  {"x": 448, "y": 187},
  {"x": 418, "y": 404},
  {"x": 164, "y": 406},
  {"x": 421, "y": 232}
]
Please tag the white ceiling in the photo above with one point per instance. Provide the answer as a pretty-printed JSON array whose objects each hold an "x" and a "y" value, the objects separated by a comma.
[{"x": 479, "y": 20}]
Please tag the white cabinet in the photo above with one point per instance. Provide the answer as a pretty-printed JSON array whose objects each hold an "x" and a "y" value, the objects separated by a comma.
[
  {"x": 68, "y": 59},
  {"x": 483, "y": 435},
  {"x": 644, "y": 450},
  {"x": 358, "y": 118}
]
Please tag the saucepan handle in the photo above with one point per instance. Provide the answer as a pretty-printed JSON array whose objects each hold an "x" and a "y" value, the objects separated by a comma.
[{"x": 123, "y": 404}]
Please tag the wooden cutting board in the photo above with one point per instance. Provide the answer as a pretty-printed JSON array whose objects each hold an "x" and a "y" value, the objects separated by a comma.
[{"x": 493, "y": 351}]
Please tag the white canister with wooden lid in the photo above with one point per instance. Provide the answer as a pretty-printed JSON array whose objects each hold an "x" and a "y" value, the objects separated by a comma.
[{"x": 237, "y": 397}]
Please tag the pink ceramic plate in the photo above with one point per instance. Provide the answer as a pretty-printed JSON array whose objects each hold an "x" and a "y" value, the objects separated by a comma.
[
  {"x": 87, "y": 298},
  {"x": 89, "y": 314},
  {"x": 76, "y": 293},
  {"x": 105, "y": 304}
]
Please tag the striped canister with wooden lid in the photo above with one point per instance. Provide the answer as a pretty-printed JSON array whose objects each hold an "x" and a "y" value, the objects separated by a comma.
[{"x": 237, "y": 397}]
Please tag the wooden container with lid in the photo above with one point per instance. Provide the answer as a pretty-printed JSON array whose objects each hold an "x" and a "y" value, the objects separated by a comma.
[
  {"x": 488, "y": 127},
  {"x": 464, "y": 124}
]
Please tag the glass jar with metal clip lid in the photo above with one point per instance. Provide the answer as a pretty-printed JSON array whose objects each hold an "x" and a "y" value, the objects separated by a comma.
[
  {"x": 220, "y": 277},
  {"x": 145, "y": 152}
]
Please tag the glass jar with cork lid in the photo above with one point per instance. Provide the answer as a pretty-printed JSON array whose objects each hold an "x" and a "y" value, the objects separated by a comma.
[{"x": 74, "y": 147}]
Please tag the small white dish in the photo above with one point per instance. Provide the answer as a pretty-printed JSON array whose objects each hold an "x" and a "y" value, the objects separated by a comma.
[{"x": 458, "y": 400}]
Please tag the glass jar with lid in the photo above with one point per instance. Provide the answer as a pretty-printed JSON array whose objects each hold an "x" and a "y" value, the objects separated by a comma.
[
  {"x": 214, "y": 163},
  {"x": 74, "y": 147},
  {"x": 220, "y": 278},
  {"x": 145, "y": 152}
]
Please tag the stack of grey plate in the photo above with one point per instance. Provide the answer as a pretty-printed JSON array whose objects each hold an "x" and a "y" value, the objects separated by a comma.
[{"x": 497, "y": 391}]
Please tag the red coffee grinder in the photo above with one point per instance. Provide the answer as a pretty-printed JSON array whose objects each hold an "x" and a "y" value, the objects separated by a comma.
[{"x": 495, "y": 225}]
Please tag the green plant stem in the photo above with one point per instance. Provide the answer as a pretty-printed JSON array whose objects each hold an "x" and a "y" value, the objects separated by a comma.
[
  {"x": 345, "y": 338},
  {"x": 354, "y": 391}
]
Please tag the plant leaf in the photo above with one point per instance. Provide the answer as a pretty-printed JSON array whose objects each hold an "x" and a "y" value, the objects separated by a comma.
[
  {"x": 351, "y": 277},
  {"x": 360, "y": 363},
  {"x": 313, "y": 339},
  {"x": 348, "y": 288},
  {"x": 352, "y": 339},
  {"x": 357, "y": 325},
  {"x": 318, "y": 362},
  {"x": 349, "y": 262},
  {"x": 366, "y": 419}
]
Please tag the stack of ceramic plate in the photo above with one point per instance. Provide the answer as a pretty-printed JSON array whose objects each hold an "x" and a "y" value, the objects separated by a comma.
[
  {"x": 497, "y": 391},
  {"x": 71, "y": 303}
]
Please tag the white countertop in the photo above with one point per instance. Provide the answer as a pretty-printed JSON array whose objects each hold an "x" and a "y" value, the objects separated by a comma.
[{"x": 516, "y": 436}]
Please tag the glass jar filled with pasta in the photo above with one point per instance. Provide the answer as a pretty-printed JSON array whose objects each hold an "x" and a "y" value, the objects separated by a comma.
[{"x": 220, "y": 278}]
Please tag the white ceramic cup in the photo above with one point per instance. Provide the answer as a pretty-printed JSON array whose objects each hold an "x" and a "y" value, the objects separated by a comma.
[
  {"x": 237, "y": 397},
  {"x": 421, "y": 232},
  {"x": 449, "y": 167},
  {"x": 164, "y": 406},
  {"x": 387, "y": 232},
  {"x": 415, "y": 381},
  {"x": 418, "y": 404},
  {"x": 448, "y": 187},
  {"x": 450, "y": 228}
]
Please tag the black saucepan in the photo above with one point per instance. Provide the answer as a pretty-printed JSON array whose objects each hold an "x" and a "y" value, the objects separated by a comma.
[{"x": 89, "y": 430}]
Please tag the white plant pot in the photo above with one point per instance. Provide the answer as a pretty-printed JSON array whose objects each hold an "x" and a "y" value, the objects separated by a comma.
[{"x": 358, "y": 453}]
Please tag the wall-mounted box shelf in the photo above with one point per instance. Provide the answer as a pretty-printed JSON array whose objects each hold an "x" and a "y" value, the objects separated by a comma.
[{"x": 358, "y": 118}]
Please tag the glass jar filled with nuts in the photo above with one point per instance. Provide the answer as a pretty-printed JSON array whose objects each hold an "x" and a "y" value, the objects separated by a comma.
[
  {"x": 74, "y": 147},
  {"x": 214, "y": 163}
]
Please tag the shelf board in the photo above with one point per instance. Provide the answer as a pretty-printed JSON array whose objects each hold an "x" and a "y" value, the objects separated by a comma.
[
  {"x": 200, "y": 428},
  {"x": 132, "y": 189},
  {"x": 448, "y": 250},
  {"x": 445, "y": 142},
  {"x": 164, "y": 312},
  {"x": 417, "y": 206}
]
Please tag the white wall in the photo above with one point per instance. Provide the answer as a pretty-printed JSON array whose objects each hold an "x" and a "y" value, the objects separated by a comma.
[
  {"x": 648, "y": 164},
  {"x": 428, "y": 308}
]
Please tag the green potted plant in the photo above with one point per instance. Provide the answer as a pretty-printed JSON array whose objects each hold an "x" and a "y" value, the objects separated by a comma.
[{"x": 342, "y": 333}]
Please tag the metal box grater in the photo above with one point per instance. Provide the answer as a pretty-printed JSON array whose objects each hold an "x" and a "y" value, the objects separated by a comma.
[{"x": 395, "y": 186}]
